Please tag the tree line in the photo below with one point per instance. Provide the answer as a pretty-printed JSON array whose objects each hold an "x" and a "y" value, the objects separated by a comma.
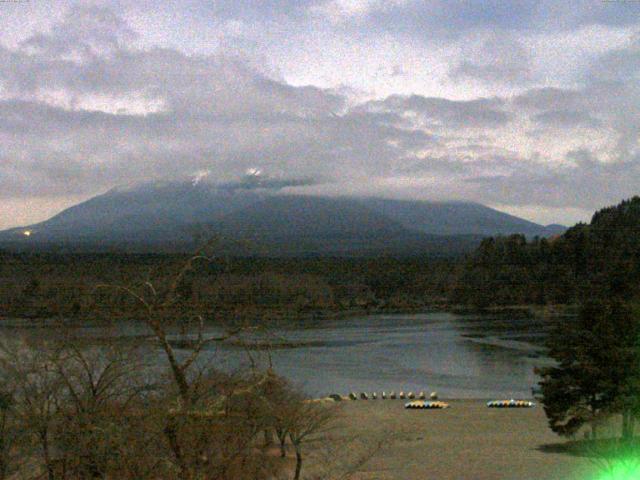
[
  {"x": 49, "y": 285},
  {"x": 597, "y": 351},
  {"x": 602, "y": 257}
]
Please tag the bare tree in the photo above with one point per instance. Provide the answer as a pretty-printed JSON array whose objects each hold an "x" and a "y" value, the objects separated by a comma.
[
  {"x": 71, "y": 400},
  {"x": 35, "y": 387},
  {"x": 9, "y": 432},
  {"x": 211, "y": 429},
  {"x": 99, "y": 384},
  {"x": 307, "y": 422},
  {"x": 96, "y": 410},
  {"x": 159, "y": 311}
]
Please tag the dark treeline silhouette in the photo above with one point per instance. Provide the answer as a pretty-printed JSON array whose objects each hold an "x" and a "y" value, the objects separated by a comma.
[
  {"x": 49, "y": 285},
  {"x": 602, "y": 257}
]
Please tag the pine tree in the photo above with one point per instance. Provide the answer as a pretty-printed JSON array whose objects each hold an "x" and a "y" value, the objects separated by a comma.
[{"x": 597, "y": 370}]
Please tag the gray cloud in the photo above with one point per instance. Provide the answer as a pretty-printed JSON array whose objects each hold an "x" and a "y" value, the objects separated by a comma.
[
  {"x": 86, "y": 31},
  {"x": 496, "y": 58},
  {"x": 486, "y": 113},
  {"x": 617, "y": 65},
  {"x": 256, "y": 181},
  {"x": 549, "y": 98},
  {"x": 82, "y": 109},
  {"x": 566, "y": 119},
  {"x": 442, "y": 17},
  {"x": 455, "y": 19},
  {"x": 586, "y": 184}
]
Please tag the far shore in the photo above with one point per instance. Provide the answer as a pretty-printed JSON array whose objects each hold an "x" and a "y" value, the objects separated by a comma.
[{"x": 539, "y": 311}]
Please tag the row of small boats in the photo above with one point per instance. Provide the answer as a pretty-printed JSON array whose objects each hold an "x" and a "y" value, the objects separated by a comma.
[
  {"x": 510, "y": 404},
  {"x": 419, "y": 401},
  {"x": 392, "y": 396},
  {"x": 421, "y": 404}
]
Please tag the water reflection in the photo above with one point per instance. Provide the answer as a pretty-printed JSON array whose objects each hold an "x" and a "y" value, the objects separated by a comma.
[{"x": 458, "y": 356}]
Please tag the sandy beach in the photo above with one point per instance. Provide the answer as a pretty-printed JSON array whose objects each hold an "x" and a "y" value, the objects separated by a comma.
[{"x": 466, "y": 441}]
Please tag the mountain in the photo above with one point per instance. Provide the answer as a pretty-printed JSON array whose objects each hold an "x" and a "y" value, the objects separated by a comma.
[
  {"x": 458, "y": 218},
  {"x": 167, "y": 217}
]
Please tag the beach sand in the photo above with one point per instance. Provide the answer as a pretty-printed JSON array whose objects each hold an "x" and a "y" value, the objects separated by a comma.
[{"x": 466, "y": 441}]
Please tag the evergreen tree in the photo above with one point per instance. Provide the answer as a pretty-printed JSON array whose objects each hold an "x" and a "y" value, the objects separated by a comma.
[
  {"x": 602, "y": 257},
  {"x": 598, "y": 368}
]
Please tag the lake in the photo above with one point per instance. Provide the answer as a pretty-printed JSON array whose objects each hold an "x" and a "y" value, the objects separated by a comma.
[{"x": 459, "y": 356}]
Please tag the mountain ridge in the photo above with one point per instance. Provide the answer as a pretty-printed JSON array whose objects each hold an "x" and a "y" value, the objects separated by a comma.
[{"x": 167, "y": 216}]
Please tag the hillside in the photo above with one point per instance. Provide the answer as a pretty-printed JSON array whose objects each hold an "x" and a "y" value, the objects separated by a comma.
[
  {"x": 168, "y": 216},
  {"x": 458, "y": 218}
]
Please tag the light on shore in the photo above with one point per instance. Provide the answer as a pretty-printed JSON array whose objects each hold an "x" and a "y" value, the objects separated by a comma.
[{"x": 27, "y": 233}]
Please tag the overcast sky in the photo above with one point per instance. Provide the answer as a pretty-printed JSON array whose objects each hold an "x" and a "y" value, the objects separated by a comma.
[{"x": 529, "y": 106}]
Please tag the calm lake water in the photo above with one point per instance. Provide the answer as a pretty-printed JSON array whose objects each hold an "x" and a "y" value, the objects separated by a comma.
[{"x": 459, "y": 356}]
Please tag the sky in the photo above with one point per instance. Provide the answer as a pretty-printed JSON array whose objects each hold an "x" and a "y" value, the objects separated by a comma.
[{"x": 529, "y": 106}]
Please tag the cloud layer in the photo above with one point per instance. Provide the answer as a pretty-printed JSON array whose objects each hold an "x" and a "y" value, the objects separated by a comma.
[{"x": 93, "y": 97}]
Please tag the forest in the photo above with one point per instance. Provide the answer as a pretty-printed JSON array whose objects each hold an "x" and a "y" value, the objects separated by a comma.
[
  {"x": 602, "y": 256},
  {"x": 49, "y": 285},
  {"x": 503, "y": 271}
]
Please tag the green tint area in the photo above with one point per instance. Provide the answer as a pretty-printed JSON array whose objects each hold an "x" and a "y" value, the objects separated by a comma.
[{"x": 622, "y": 470}]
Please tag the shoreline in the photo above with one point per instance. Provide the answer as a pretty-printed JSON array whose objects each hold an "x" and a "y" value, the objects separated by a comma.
[
  {"x": 523, "y": 311},
  {"x": 346, "y": 399},
  {"x": 466, "y": 441}
]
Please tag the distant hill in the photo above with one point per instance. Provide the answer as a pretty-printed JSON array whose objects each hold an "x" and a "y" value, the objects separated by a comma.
[{"x": 167, "y": 216}]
